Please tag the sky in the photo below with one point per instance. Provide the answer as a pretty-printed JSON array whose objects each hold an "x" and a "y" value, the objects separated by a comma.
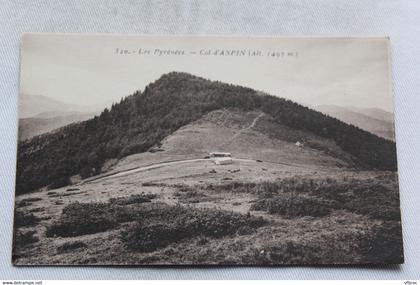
[{"x": 100, "y": 69}]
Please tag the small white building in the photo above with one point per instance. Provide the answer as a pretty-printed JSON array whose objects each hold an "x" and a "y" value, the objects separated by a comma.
[
  {"x": 222, "y": 160},
  {"x": 220, "y": 154},
  {"x": 299, "y": 144}
]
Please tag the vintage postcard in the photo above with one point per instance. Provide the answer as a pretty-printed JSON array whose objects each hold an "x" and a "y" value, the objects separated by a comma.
[{"x": 183, "y": 150}]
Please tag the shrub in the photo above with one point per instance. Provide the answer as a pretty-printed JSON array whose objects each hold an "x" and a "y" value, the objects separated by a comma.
[
  {"x": 37, "y": 209},
  {"x": 59, "y": 182},
  {"x": 89, "y": 218},
  {"x": 181, "y": 223},
  {"x": 190, "y": 195},
  {"x": 376, "y": 201},
  {"x": 359, "y": 243},
  {"x": 367, "y": 197},
  {"x": 27, "y": 202},
  {"x": 82, "y": 218},
  {"x": 72, "y": 189},
  {"x": 234, "y": 187},
  {"x": 148, "y": 238},
  {"x": 385, "y": 244},
  {"x": 152, "y": 184},
  {"x": 292, "y": 205},
  {"x": 70, "y": 246},
  {"x": 33, "y": 199},
  {"x": 377, "y": 197},
  {"x": 25, "y": 219},
  {"x": 133, "y": 199},
  {"x": 24, "y": 238}
]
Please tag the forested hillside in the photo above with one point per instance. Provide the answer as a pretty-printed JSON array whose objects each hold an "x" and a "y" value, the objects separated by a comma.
[{"x": 143, "y": 119}]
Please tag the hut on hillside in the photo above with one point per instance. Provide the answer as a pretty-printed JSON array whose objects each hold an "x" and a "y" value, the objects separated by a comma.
[
  {"x": 222, "y": 160},
  {"x": 220, "y": 154}
]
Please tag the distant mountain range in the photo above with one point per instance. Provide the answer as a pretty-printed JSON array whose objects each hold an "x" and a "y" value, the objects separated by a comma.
[
  {"x": 376, "y": 121},
  {"x": 47, "y": 122},
  {"x": 40, "y": 114},
  {"x": 143, "y": 120}
]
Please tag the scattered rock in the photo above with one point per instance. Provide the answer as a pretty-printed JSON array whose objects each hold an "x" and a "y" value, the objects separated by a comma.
[
  {"x": 38, "y": 209},
  {"x": 71, "y": 246},
  {"x": 245, "y": 230},
  {"x": 72, "y": 189},
  {"x": 27, "y": 202},
  {"x": 202, "y": 241},
  {"x": 156, "y": 149}
]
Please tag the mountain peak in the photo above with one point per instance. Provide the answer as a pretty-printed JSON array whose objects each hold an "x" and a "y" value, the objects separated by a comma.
[
  {"x": 179, "y": 74},
  {"x": 176, "y": 78}
]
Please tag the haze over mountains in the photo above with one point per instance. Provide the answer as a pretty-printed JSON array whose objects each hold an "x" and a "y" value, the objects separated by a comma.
[
  {"x": 143, "y": 120},
  {"x": 376, "y": 121},
  {"x": 47, "y": 122},
  {"x": 40, "y": 114}
]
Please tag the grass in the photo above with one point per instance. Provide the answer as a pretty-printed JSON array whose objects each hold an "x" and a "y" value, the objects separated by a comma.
[
  {"x": 342, "y": 238},
  {"x": 332, "y": 248},
  {"x": 314, "y": 220},
  {"x": 385, "y": 244},
  {"x": 376, "y": 197},
  {"x": 293, "y": 205}
]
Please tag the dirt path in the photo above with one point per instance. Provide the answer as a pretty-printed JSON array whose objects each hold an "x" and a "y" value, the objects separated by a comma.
[
  {"x": 227, "y": 115},
  {"x": 155, "y": 166},
  {"x": 247, "y": 128}
]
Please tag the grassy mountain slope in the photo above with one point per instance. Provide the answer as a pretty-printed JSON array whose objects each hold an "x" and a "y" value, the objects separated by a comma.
[
  {"x": 253, "y": 135},
  {"x": 143, "y": 119}
]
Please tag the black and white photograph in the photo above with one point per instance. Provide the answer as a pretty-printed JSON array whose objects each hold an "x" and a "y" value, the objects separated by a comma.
[{"x": 205, "y": 150}]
